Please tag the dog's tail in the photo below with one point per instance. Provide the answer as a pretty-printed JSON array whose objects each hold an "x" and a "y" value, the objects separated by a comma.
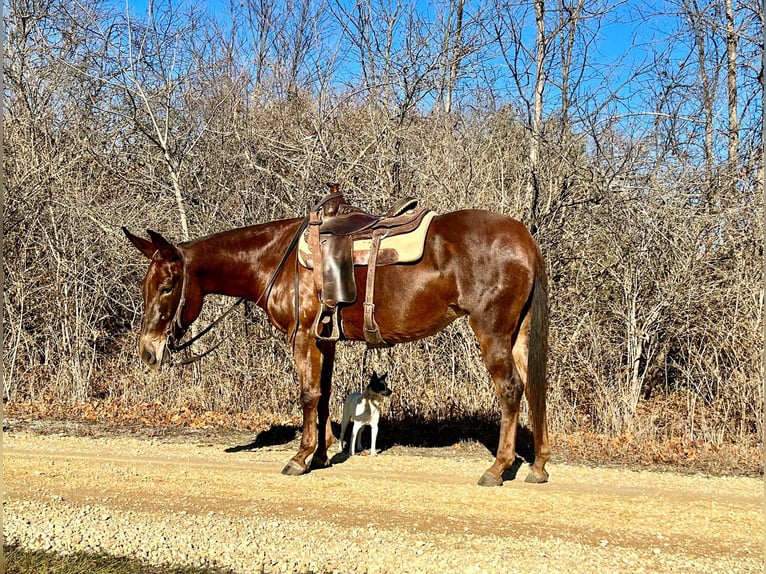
[{"x": 537, "y": 382}]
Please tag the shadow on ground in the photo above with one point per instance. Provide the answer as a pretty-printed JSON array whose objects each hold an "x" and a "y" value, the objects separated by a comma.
[
  {"x": 273, "y": 436},
  {"x": 413, "y": 432}
]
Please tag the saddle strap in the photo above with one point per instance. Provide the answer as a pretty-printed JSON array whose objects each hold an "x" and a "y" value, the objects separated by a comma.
[
  {"x": 315, "y": 219},
  {"x": 325, "y": 326},
  {"x": 371, "y": 329}
]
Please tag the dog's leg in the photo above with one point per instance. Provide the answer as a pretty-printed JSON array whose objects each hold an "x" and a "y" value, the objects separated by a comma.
[
  {"x": 374, "y": 431},
  {"x": 359, "y": 437},
  {"x": 356, "y": 438},
  {"x": 343, "y": 425}
]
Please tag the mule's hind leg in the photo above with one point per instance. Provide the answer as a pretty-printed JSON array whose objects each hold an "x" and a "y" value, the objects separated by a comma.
[
  {"x": 509, "y": 387},
  {"x": 537, "y": 472}
]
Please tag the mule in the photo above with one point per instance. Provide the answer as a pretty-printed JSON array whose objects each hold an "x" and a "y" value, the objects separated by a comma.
[{"x": 476, "y": 263}]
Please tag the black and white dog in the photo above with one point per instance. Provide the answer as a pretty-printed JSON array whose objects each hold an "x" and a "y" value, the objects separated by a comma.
[{"x": 364, "y": 409}]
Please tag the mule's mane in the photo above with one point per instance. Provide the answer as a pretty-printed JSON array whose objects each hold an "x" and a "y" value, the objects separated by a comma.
[{"x": 239, "y": 233}]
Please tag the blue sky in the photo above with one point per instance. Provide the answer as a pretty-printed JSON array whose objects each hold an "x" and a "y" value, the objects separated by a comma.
[
  {"x": 629, "y": 38},
  {"x": 618, "y": 48}
]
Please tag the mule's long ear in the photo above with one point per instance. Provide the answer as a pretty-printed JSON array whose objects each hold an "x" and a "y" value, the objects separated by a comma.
[
  {"x": 166, "y": 249},
  {"x": 144, "y": 246}
]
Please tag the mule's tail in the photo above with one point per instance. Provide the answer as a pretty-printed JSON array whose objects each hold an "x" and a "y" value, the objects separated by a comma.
[{"x": 537, "y": 366}]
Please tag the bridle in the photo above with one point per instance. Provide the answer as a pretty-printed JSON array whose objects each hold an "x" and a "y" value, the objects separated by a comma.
[{"x": 177, "y": 321}]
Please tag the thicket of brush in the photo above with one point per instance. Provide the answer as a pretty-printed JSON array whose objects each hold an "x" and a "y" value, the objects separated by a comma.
[{"x": 653, "y": 242}]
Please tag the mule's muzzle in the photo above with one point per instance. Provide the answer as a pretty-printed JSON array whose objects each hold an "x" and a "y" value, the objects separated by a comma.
[{"x": 154, "y": 354}]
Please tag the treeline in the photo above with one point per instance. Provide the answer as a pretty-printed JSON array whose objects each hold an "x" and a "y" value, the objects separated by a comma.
[{"x": 640, "y": 175}]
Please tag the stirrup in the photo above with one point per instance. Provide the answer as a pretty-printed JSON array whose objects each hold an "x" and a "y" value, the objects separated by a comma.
[
  {"x": 371, "y": 330},
  {"x": 326, "y": 324}
]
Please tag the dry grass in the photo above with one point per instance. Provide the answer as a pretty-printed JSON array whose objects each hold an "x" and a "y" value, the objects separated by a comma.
[{"x": 660, "y": 449}]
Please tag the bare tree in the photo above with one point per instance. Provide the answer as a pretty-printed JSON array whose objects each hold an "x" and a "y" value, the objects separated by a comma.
[
  {"x": 452, "y": 49},
  {"x": 731, "y": 87},
  {"x": 700, "y": 29}
]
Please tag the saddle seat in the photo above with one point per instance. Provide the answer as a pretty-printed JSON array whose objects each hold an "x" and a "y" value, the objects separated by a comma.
[
  {"x": 341, "y": 236},
  {"x": 402, "y": 229},
  {"x": 345, "y": 219}
]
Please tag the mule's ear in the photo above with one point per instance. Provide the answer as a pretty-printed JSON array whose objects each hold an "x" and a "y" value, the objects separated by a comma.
[
  {"x": 144, "y": 246},
  {"x": 166, "y": 249}
]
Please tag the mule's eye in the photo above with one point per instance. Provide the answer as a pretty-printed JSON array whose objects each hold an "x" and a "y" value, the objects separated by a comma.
[{"x": 166, "y": 288}]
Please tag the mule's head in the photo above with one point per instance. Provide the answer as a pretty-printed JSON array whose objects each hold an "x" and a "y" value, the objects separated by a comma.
[{"x": 162, "y": 287}]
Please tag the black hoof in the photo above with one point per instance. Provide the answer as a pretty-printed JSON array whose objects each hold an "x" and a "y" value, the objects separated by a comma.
[
  {"x": 488, "y": 479},
  {"x": 294, "y": 468},
  {"x": 535, "y": 478}
]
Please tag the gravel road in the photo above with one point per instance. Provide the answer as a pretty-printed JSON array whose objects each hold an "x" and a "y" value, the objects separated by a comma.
[{"x": 187, "y": 500}]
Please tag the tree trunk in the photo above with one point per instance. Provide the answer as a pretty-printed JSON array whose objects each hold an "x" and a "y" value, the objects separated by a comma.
[
  {"x": 731, "y": 76},
  {"x": 453, "y": 54},
  {"x": 533, "y": 187}
]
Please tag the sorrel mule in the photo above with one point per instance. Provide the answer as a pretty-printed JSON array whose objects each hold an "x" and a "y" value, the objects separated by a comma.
[{"x": 476, "y": 263}]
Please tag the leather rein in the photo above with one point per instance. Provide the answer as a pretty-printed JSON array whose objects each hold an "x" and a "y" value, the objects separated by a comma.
[{"x": 266, "y": 292}]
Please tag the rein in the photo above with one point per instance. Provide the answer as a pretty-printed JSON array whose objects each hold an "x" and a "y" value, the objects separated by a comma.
[{"x": 266, "y": 292}]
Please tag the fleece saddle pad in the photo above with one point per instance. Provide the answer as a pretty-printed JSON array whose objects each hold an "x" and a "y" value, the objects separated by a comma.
[{"x": 402, "y": 248}]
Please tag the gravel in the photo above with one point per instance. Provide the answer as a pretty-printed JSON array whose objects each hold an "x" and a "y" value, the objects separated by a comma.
[
  {"x": 238, "y": 544},
  {"x": 195, "y": 504}
]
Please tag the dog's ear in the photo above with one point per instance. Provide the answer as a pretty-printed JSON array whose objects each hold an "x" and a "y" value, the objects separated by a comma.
[{"x": 382, "y": 377}]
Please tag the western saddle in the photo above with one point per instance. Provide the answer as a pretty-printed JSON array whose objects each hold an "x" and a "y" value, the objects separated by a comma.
[{"x": 340, "y": 236}]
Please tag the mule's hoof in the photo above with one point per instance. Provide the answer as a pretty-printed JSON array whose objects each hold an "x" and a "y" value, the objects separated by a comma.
[
  {"x": 489, "y": 479},
  {"x": 535, "y": 478},
  {"x": 294, "y": 468}
]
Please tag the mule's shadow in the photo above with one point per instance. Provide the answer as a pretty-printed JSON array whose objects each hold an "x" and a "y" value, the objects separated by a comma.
[
  {"x": 414, "y": 432},
  {"x": 276, "y": 435},
  {"x": 420, "y": 433}
]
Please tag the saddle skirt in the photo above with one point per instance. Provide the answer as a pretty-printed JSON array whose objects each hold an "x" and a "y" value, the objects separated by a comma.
[{"x": 401, "y": 248}]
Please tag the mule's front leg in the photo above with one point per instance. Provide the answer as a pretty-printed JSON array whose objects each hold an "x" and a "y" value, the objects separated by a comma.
[
  {"x": 325, "y": 437},
  {"x": 309, "y": 361},
  {"x": 297, "y": 465}
]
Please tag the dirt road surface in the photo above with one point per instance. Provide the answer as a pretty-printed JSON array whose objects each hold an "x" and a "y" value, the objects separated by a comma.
[{"x": 212, "y": 500}]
